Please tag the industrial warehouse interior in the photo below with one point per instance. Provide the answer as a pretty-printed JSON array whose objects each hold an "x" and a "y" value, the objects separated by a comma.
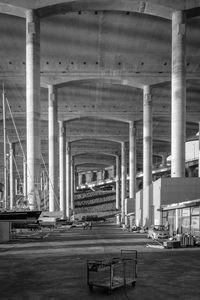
[{"x": 99, "y": 149}]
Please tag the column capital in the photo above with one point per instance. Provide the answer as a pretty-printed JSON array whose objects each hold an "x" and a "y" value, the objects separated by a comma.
[
  {"x": 179, "y": 23},
  {"x": 51, "y": 88},
  {"x": 68, "y": 147},
  {"x": 62, "y": 128},
  {"x": 33, "y": 22},
  {"x": 132, "y": 127},
  {"x": 11, "y": 145},
  {"x": 52, "y": 92},
  {"x": 147, "y": 89}
]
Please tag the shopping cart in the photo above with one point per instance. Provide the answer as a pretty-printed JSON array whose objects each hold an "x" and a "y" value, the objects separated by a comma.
[{"x": 113, "y": 273}]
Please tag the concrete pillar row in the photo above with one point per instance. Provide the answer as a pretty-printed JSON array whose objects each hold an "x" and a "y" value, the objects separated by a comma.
[
  {"x": 68, "y": 178},
  {"x": 33, "y": 105},
  {"x": 62, "y": 167},
  {"x": 123, "y": 181},
  {"x": 178, "y": 82},
  {"x": 132, "y": 161},
  {"x": 12, "y": 174},
  {"x": 53, "y": 146},
  {"x": 147, "y": 153}
]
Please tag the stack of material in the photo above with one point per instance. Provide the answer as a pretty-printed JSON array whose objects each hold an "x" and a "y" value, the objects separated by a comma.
[{"x": 187, "y": 240}]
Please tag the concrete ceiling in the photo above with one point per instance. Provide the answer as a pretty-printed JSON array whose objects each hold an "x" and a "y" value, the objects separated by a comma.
[{"x": 99, "y": 54}]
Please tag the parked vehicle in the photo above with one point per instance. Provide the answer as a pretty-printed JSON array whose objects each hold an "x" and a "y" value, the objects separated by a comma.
[
  {"x": 78, "y": 224},
  {"x": 158, "y": 232}
]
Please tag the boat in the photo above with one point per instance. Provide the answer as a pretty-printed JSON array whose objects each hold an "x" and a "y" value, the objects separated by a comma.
[{"x": 22, "y": 215}]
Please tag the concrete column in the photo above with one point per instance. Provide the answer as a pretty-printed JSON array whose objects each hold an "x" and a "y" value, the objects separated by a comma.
[
  {"x": 62, "y": 167},
  {"x": 46, "y": 192},
  {"x": 42, "y": 189},
  {"x": 16, "y": 186},
  {"x": 33, "y": 104},
  {"x": 123, "y": 181},
  {"x": 72, "y": 184},
  {"x": 88, "y": 177},
  {"x": 164, "y": 159},
  {"x": 79, "y": 179},
  {"x": 117, "y": 187},
  {"x": 76, "y": 178},
  {"x": 83, "y": 178},
  {"x": 53, "y": 146},
  {"x": 117, "y": 183},
  {"x": 132, "y": 162},
  {"x": 24, "y": 178},
  {"x": 176, "y": 219},
  {"x": 12, "y": 174},
  {"x": 42, "y": 181},
  {"x": 147, "y": 154},
  {"x": 178, "y": 106},
  {"x": 68, "y": 178}
]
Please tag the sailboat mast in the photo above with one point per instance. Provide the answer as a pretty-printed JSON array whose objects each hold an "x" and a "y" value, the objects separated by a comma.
[{"x": 5, "y": 151}]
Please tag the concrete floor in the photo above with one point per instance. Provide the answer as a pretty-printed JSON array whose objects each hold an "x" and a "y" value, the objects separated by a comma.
[{"x": 52, "y": 265}]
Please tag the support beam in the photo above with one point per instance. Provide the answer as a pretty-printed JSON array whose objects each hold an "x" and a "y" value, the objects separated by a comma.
[
  {"x": 178, "y": 117},
  {"x": 62, "y": 167},
  {"x": 117, "y": 182},
  {"x": 68, "y": 177},
  {"x": 147, "y": 154},
  {"x": 76, "y": 178},
  {"x": 53, "y": 146},
  {"x": 72, "y": 184},
  {"x": 164, "y": 159},
  {"x": 33, "y": 104},
  {"x": 132, "y": 162},
  {"x": 176, "y": 219},
  {"x": 79, "y": 179},
  {"x": 123, "y": 181}
]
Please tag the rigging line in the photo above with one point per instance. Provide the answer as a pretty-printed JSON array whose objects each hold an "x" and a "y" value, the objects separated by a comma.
[
  {"x": 56, "y": 198},
  {"x": 15, "y": 161},
  {"x": 15, "y": 127},
  {"x": 24, "y": 156},
  {"x": 17, "y": 169}
]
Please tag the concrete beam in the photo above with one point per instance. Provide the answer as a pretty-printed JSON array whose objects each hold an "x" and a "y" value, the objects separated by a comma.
[
  {"x": 12, "y": 10},
  {"x": 117, "y": 5}
]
